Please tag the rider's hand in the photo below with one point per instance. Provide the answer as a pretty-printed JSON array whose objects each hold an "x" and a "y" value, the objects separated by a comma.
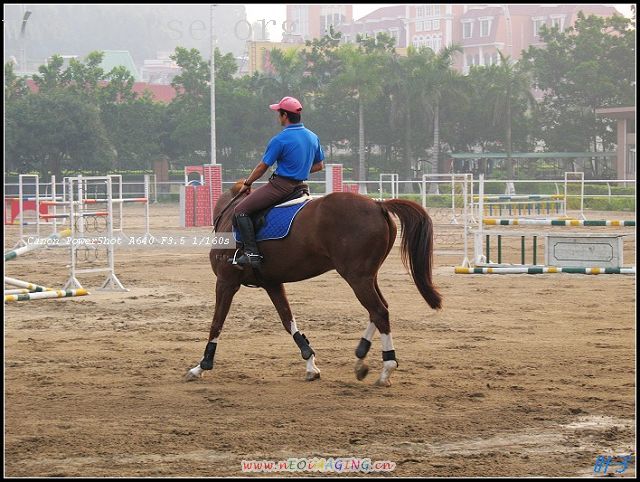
[{"x": 245, "y": 188}]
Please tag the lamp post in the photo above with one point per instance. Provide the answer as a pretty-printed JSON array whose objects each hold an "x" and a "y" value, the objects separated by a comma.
[
  {"x": 23, "y": 57},
  {"x": 213, "y": 91}
]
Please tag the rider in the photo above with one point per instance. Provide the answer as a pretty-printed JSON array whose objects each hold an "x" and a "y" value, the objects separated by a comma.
[{"x": 298, "y": 153}]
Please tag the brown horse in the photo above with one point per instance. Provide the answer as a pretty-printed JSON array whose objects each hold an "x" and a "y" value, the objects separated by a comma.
[{"x": 347, "y": 232}]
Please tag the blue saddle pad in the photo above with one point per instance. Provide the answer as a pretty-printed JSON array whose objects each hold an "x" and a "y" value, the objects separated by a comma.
[{"x": 277, "y": 224}]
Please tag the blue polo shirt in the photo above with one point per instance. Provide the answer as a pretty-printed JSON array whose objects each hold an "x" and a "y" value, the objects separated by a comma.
[{"x": 295, "y": 149}]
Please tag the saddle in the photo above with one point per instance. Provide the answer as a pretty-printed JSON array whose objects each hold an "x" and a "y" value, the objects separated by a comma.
[{"x": 259, "y": 217}]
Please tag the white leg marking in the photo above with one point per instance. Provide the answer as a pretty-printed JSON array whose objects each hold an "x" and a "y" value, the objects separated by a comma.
[
  {"x": 387, "y": 342},
  {"x": 313, "y": 373},
  {"x": 294, "y": 327},
  {"x": 369, "y": 332},
  {"x": 389, "y": 365}
]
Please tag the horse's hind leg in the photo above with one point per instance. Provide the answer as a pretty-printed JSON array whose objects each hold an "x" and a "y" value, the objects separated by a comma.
[
  {"x": 225, "y": 291},
  {"x": 279, "y": 299},
  {"x": 367, "y": 291},
  {"x": 362, "y": 369}
]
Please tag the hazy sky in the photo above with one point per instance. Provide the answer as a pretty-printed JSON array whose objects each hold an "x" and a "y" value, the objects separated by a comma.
[{"x": 278, "y": 12}]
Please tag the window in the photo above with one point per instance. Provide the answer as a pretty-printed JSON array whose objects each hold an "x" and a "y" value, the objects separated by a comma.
[
  {"x": 436, "y": 9},
  {"x": 395, "y": 35},
  {"x": 427, "y": 25},
  {"x": 428, "y": 10},
  {"x": 537, "y": 23},
  {"x": 485, "y": 26},
  {"x": 437, "y": 42},
  {"x": 488, "y": 59},
  {"x": 558, "y": 22},
  {"x": 436, "y": 25},
  {"x": 469, "y": 59},
  {"x": 467, "y": 30},
  {"x": 420, "y": 11}
]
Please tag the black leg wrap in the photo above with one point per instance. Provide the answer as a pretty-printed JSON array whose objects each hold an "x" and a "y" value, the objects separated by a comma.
[
  {"x": 303, "y": 344},
  {"x": 363, "y": 348},
  {"x": 389, "y": 355},
  {"x": 209, "y": 352}
]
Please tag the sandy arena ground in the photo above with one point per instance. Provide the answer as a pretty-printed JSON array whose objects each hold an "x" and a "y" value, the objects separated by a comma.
[{"x": 518, "y": 375}]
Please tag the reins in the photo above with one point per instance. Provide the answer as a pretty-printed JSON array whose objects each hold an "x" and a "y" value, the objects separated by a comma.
[{"x": 217, "y": 219}]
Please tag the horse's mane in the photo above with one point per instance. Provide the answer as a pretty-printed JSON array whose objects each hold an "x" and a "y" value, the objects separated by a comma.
[
  {"x": 237, "y": 186},
  {"x": 226, "y": 203}
]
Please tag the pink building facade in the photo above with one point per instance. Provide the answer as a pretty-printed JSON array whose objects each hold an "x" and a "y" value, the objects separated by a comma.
[
  {"x": 481, "y": 29},
  {"x": 512, "y": 29}
]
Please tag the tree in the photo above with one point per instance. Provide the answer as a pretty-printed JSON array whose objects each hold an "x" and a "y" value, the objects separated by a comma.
[
  {"x": 51, "y": 75},
  {"x": 53, "y": 131},
  {"x": 588, "y": 66},
  {"x": 360, "y": 78},
  {"x": 438, "y": 80},
  {"x": 14, "y": 87},
  {"x": 509, "y": 90}
]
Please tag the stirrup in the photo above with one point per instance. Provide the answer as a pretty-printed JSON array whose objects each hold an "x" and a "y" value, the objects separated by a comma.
[{"x": 249, "y": 259}]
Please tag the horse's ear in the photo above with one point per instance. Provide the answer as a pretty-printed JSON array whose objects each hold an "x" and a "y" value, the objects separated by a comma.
[{"x": 237, "y": 186}]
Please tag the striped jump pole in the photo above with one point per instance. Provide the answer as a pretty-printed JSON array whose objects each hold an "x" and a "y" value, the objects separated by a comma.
[
  {"x": 543, "y": 270},
  {"x": 557, "y": 222},
  {"x": 30, "y": 247},
  {"x": 97, "y": 201},
  {"x": 25, "y": 285},
  {"x": 87, "y": 213},
  {"x": 45, "y": 295}
]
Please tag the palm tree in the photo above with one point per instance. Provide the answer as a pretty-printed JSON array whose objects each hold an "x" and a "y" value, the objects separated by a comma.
[
  {"x": 438, "y": 79},
  {"x": 510, "y": 87},
  {"x": 360, "y": 78}
]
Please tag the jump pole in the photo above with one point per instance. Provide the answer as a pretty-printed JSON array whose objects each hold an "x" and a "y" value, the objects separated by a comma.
[
  {"x": 543, "y": 270},
  {"x": 30, "y": 247},
  {"x": 25, "y": 285},
  {"x": 557, "y": 222},
  {"x": 46, "y": 294}
]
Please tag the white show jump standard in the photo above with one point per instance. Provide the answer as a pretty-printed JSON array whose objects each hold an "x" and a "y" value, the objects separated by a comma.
[
  {"x": 76, "y": 188},
  {"x": 557, "y": 222},
  {"x": 46, "y": 294}
]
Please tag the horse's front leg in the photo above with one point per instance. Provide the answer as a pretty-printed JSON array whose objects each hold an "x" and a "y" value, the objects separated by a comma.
[
  {"x": 225, "y": 291},
  {"x": 279, "y": 299}
]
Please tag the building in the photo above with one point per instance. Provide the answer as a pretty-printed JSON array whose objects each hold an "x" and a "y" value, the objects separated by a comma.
[
  {"x": 306, "y": 22},
  {"x": 434, "y": 25},
  {"x": 161, "y": 70},
  {"x": 485, "y": 29},
  {"x": 260, "y": 53},
  {"x": 391, "y": 20},
  {"x": 626, "y": 139},
  {"x": 119, "y": 58},
  {"x": 159, "y": 93}
]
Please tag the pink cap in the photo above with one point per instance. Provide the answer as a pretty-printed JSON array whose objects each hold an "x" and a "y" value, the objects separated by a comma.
[{"x": 290, "y": 104}]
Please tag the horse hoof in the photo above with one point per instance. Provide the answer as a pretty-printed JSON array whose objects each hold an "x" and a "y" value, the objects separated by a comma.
[
  {"x": 190, "y": 376},
  {"x": 381, "y": 383},
  {"x": 311, "y": 376},
  {"x": 362, "y": 370}
]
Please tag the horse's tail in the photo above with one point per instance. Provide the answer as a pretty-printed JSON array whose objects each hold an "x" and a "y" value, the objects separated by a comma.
[{"x": 417, "y": 246}]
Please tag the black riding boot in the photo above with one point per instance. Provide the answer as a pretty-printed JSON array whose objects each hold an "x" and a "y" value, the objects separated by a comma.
[{"x": 251, "y": 255}]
